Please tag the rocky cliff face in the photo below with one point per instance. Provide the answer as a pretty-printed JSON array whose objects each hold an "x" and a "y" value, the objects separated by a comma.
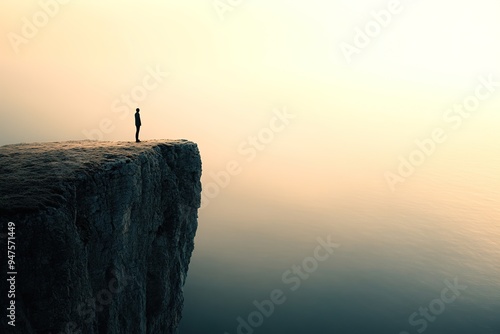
[{"x": 103, "y": 234}]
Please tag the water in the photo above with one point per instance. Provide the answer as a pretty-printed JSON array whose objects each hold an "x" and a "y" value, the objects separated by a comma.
[{"x": 399, "y": 253}]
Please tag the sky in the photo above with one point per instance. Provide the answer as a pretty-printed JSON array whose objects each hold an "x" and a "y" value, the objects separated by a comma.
[{"x": 360, "y": 82}]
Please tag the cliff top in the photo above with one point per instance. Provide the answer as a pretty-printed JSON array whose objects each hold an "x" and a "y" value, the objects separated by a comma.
[{"x": 34, "y": 175}]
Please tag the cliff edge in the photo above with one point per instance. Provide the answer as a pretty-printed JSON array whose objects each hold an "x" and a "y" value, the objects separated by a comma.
[{"x": 102, "y": 232}]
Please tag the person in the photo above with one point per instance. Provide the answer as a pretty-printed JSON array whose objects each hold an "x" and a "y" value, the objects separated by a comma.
[{"x": 137, "y": 125}]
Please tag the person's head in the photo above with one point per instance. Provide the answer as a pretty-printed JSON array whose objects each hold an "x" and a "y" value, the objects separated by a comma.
[{"x": 137, "y": 109}]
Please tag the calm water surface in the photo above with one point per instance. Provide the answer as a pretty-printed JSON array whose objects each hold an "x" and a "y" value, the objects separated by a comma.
[{"x": 399, "y": 253}]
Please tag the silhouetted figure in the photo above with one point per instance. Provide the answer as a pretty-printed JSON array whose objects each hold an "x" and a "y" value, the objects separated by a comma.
[{"x": 137, "y": 125}]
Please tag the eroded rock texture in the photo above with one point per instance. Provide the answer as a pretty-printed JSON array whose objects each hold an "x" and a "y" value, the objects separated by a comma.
[{"x": 104, "y": 234}]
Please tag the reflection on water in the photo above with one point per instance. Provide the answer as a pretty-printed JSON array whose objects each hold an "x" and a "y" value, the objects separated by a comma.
[{"x": 424, "y": 259}]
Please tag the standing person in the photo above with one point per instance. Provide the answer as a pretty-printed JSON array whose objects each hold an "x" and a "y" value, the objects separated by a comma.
[{"x": 137, "y": 125}]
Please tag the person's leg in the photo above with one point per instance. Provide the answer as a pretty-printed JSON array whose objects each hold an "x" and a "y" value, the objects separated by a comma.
[{"x": 137, "y": 133}]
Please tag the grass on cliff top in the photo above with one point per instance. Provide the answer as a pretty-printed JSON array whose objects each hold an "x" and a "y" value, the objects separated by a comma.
[{"x": 34, "y": 176}]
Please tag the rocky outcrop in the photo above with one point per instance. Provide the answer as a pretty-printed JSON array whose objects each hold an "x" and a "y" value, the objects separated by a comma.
[{"x": 103, "y": 234}]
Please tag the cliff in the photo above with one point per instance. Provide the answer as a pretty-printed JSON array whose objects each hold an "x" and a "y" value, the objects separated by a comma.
[{"x": 103, "y": 232}]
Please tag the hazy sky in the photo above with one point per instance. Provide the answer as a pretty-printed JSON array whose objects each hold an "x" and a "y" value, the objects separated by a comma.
[{"x": 213, "y": 73}]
